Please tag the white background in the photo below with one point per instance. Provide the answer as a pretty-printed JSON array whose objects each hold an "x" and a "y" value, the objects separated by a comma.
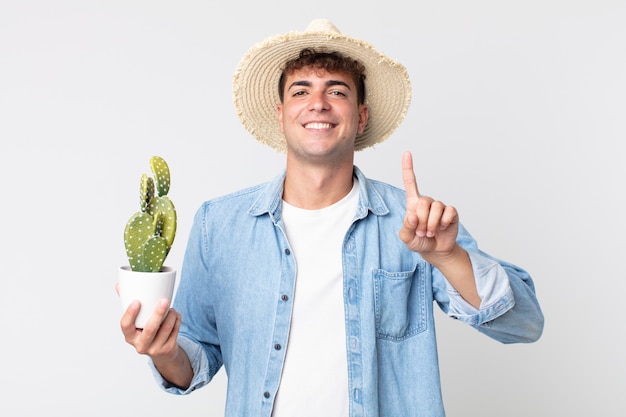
[{"x": 518, "y": 119}]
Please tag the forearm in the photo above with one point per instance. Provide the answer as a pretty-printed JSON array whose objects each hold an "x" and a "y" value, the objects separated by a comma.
[
  {"x": 176, "y": 370},
  {"x": 456, "y": 267}
]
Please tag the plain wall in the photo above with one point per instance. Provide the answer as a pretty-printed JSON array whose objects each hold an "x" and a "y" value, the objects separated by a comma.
[{"x": 517, "y": 119}]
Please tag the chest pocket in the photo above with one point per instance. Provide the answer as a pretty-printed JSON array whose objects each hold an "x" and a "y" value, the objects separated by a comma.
[{"x": 400, "y": 303}]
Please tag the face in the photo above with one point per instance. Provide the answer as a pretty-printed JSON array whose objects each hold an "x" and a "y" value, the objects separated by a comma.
[{"x": 320, "y": 115}]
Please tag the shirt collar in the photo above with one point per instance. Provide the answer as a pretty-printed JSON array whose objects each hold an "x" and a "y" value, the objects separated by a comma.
[{"x": 270, "y": 199}]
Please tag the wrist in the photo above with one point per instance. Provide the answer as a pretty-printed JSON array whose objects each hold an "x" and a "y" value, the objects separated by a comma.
[
  {"x": 175, "y": 368},
  {"x": 444, "y": 259},
  {"x": 456, "y": 267}
]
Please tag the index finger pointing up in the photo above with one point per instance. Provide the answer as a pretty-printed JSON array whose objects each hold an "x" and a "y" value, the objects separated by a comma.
[{"x": 408, "y": 176}]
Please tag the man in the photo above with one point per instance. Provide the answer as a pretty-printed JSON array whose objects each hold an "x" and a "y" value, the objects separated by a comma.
[{"x": 315, "y": 291}]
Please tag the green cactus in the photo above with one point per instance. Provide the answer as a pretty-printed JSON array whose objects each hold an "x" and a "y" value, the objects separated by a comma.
[{"x": 149, "y": 233}]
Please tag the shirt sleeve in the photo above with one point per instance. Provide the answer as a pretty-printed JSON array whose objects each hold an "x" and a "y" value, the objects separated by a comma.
[
  {"x": 199, "y": 364},
  {"x": 494, "y": 289}
]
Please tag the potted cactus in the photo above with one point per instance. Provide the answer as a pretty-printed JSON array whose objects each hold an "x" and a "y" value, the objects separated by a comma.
[{"x": 148, "y": 238}]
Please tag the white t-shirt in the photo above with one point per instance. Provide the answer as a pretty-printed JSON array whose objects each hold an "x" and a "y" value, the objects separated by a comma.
[{"x": 314, "y": 380}]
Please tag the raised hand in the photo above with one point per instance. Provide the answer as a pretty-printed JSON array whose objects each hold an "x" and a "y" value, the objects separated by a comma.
[{"x": 430, "y": 227}]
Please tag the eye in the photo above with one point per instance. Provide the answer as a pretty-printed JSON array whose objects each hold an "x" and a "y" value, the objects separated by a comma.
[{"x": 339, "y": 93}]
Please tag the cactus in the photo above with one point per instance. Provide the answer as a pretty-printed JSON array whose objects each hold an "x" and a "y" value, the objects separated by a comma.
[{"x": 149, "y": 233}]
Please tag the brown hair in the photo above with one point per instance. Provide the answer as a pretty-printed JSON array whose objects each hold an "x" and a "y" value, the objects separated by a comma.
[{"x": 329, "y": 61}]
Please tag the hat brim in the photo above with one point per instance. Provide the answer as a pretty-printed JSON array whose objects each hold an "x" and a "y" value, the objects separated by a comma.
[{"x": 255, "y": 85}]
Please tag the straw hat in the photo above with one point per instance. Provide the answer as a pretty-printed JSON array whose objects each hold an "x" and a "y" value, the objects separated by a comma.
[{"x": 255, "y": 83}]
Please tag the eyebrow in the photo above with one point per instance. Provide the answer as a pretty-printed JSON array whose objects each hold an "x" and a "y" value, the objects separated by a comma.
[{"x": 329, "y": 83}]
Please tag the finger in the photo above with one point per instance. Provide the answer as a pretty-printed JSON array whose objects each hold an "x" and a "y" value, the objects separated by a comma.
[
  {"x": 450, "y": 216},
  {"x": 408, "y": 176},
  {"x": 127, "y": 322},
  {"x": 166, "y": 336},
  {"x": 423, "y": 212},
  {"x": 156, "y": 319},
  {"x": 435, "y": 218},
  {"x": 117, "y": 288}
]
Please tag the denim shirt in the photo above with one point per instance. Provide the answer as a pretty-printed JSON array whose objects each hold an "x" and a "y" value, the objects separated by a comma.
[{"x": 236, "y": 291}]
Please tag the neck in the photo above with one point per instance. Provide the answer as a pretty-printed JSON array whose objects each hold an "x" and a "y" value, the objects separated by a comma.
[{"x": 315, "y": 187}]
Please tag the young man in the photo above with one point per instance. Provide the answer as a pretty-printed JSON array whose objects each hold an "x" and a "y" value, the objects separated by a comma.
[{"x": 315, "y": 291}]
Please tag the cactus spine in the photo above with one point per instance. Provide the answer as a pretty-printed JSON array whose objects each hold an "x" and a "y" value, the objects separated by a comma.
[{"x": 149, "y": 233}]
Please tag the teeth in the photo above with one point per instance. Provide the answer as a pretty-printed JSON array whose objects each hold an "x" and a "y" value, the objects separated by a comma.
[{"x": 318, "y": 126}]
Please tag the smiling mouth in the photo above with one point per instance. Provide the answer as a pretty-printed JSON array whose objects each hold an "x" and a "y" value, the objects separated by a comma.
[{"x": 318, "y": 125}]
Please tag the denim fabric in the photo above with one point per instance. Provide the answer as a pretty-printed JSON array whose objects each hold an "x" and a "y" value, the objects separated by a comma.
[{"x": 236, "y": 291}]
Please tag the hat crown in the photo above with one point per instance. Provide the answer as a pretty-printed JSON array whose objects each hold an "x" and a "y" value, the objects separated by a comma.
[{"x": 322, "y": 25}]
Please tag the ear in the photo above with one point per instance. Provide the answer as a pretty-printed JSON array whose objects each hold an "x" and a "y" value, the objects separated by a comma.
[
  {"x": 363, "y": 117},
  {"x": 279, "y": 115}
]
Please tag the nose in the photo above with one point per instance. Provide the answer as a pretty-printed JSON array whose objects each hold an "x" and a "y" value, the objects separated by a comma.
[{"x": 319, "y": 102}]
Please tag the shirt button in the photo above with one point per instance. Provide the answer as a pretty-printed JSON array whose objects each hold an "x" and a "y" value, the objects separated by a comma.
[
  {"x": 284, "y": 297},
  {"x": 277, "y": 346},
  {"x": 266, "y": 394},
  {"x": 287, "y": 251}
]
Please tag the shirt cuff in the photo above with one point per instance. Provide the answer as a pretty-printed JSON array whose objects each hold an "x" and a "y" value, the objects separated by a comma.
[
  {"x": 199, "y": 364},
  {"x": 494, "y": 289}
]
